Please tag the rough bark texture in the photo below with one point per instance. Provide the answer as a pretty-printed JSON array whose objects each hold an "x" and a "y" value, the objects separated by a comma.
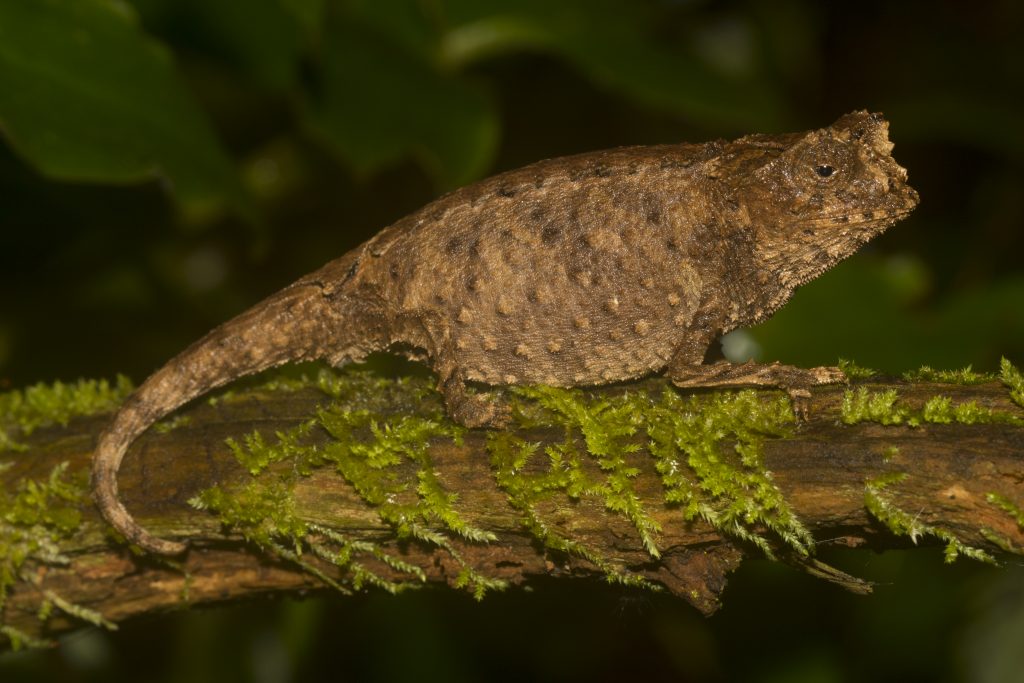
[{"x": 821, "y": 469}]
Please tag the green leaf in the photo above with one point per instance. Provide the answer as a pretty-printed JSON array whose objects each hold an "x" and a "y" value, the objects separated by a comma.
[
  {"x": 86, "y": 96},
  {"x": 261, "y": 39},
  {"x": 615, "y": 44},
  {"x": 308, "y": 13},
  {"x": 412, "y": 24},
  {"x": 869, "y": 308},
  {"x": 379, "y": 103}
]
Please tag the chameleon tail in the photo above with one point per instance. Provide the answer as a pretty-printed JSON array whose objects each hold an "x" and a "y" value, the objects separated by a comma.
[{"x": 293, "y": 325}]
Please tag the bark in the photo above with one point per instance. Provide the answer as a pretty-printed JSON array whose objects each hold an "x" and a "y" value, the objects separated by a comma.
[{"x": 822, "y": 469}]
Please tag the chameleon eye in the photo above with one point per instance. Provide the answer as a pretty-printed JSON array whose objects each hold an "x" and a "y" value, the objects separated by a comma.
[{"x": 823, "y": 162}]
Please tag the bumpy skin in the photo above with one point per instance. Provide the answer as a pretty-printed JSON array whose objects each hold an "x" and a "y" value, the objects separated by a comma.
[{"x": 577, "y": 271}]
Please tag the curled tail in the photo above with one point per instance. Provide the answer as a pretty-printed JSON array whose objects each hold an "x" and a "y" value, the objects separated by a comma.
[{"x": 304, "y": 321}]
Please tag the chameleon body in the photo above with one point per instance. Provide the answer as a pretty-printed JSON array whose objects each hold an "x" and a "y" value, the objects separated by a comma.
[{"x": 577, "y": 271}]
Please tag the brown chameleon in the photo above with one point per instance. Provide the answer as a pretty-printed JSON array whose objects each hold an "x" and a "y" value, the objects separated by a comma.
[{"x": 577, "y": 271}]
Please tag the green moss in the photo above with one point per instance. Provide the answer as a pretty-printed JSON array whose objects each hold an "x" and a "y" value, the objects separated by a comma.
[
  {"x": 884, "y": 407},
  {"x": 890, "y": 453},
  {"x": 255, "y": 454},
  {"x": 604, "y": 425},
  {"x": 19, "y": 639},
  {"x": 169, "y": 425},
  {"x": 941, "y": 410},
  {"x": 372, "y": 466},
  {"x": 903, "y": 523},
  {"x": 685, "y": 437},
  {"x": 1007, "y": 506},
  {"x": 356, "y": 387},
  {"x": 89, "y": 616},
  {"x": 510, "y": 457},
  {"x": 26, "y": 410},
  {"x": 1000, "y": 541},
  {"x": 854, "y": 371},
  {"x": 34, "y": 519},
  {"x": 370, "y": 454},
  {"x": 1014, "y": 381},
  {"x": 374, "y": 454},
  {"x": 606, "y": 442},
  {"x": 965, "y": 376},
  {"x": 263, "y": 511},
  {"x": 736, "y": 495},
  {"x": 363, "y": 390},
  {"x": 862, "y": 405},
  {"x": 705, "y": 449},
  {"x": 1016, "y": 513}
]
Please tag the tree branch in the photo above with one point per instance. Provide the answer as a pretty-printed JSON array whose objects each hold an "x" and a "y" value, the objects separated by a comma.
[{"x": 359, "y": 482}]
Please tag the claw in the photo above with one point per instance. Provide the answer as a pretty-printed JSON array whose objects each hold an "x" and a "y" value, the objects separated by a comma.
[{"x": 801, "y": 400}]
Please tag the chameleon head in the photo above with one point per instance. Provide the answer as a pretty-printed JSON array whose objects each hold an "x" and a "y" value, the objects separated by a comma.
[{"x": 824, "y": 195}]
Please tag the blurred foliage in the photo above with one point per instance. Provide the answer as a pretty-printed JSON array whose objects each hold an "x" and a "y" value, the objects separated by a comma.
[
  {"x": 87, "y": 96},
  {"x": 166, "y": 163}
]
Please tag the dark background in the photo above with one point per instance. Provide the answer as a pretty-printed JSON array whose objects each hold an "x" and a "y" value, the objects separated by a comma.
[{"x": 166, "y": 163}]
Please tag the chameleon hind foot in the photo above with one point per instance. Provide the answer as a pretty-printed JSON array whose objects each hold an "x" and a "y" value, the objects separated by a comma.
[{"x": 474, "y": 410}]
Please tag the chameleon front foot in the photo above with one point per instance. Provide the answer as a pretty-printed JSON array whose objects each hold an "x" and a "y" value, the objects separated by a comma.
[{"x": 794, "y": 381}]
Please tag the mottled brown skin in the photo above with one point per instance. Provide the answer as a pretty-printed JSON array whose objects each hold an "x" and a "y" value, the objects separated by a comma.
[{"x": 578, "y": 271}]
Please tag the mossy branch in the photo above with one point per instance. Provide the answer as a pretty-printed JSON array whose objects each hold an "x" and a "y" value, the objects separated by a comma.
[{"x": 347, "y": 481}]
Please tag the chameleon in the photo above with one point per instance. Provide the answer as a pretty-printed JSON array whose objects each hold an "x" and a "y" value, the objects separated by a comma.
[{"x": 577, "y": 271}]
